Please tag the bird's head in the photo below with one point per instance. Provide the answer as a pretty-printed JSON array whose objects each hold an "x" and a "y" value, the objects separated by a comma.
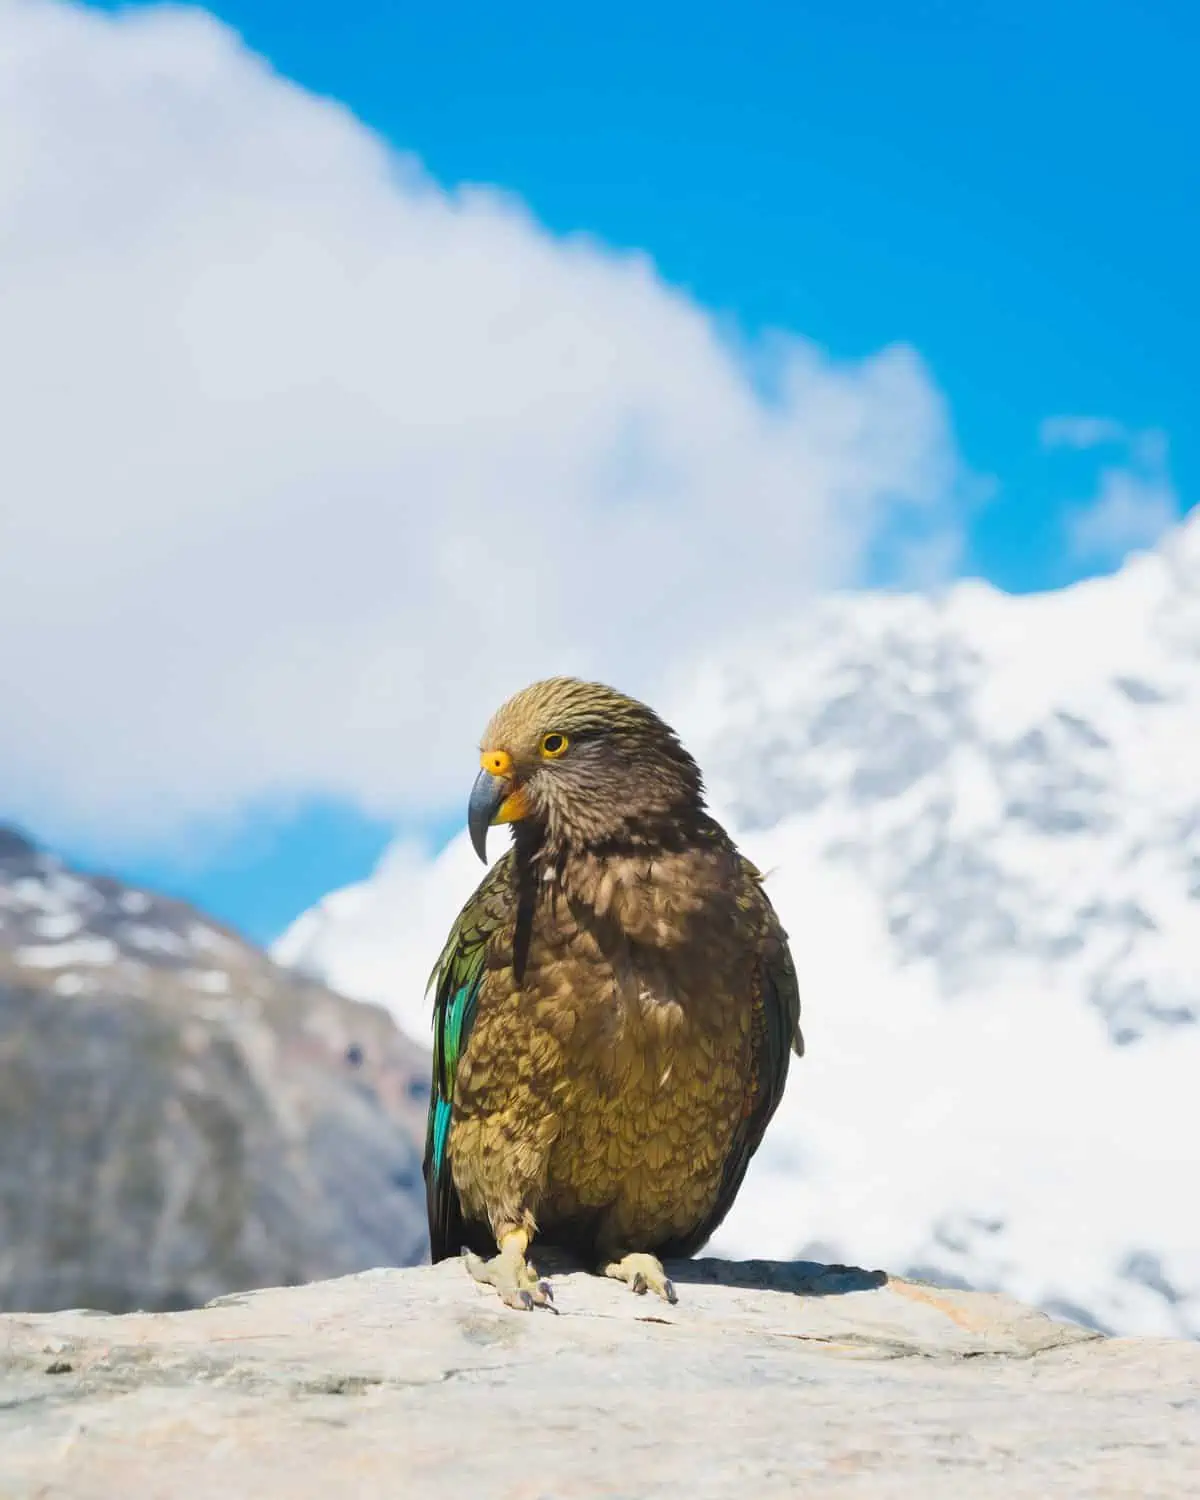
[{"x": 580, "y": 765}]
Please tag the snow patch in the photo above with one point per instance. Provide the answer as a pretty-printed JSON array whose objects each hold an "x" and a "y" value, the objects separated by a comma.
[
  {"x": 86, "y": 950},
  {"x": 157, "y": 940},
  {"x": 55, "y": 926},
  {"x": 211, "y": 981}
]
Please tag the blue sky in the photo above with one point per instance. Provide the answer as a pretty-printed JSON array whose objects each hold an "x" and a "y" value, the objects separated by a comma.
[{"x": 1011, "y": 189}]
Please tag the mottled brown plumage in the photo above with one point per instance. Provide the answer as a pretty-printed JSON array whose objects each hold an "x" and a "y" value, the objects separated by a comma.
[{"x": 615, "y": 1006}]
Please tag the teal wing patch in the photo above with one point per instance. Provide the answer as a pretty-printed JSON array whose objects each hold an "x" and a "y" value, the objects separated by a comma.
[{"x": 456, "y": 980}]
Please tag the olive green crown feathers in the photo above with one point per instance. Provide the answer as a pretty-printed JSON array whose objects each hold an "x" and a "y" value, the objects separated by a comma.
[{"x": 579, "y": 763}]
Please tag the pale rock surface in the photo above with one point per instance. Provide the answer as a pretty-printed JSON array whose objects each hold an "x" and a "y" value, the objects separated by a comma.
[{"x": 768, "y": 1379}]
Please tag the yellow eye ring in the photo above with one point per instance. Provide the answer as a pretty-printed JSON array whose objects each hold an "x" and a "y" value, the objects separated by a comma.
[{"x": 554, "y": 745}]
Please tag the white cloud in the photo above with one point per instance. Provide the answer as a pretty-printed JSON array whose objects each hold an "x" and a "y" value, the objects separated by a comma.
[
  {"x": 1135, "y": 502},
  {"x": 1081, "y": 432},
  {"x": 1146, "y": 446},
  {"x": 308, "y": 461},
  {"x": 1131, "y": 511}
]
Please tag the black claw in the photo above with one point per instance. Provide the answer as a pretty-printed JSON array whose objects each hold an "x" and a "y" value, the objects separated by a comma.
[
  {"x": 639, "y": 1284},
  {"x": 546, "y": 1290},
  {"x": 672, "y": 1294},
  {"x": 526, "y": 1301}
]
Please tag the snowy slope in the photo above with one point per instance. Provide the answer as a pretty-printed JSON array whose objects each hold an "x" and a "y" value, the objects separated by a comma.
[{"x": 982, "y": 818}]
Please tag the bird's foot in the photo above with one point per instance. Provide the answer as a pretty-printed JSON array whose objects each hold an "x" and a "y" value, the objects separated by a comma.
[
  {"x": 517, "y": 1282},
  {"x": 643, "y": 1273}
]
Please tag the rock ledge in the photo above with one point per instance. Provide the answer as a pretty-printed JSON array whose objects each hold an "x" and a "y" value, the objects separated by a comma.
[{"x": 766, "y": 1380}]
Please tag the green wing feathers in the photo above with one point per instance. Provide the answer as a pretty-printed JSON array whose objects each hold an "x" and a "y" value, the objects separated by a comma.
[{"x": 455, "y": 981}]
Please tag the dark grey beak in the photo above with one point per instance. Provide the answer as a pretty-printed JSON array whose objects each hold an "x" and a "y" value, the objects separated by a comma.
[{"x": 486, "y": 796}]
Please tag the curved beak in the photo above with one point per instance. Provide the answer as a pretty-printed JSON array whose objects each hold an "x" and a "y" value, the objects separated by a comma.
[{"x": 487, "y": 797}]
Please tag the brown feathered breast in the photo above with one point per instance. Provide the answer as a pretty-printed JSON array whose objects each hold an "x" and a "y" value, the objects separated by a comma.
[{"x": 618, "y": 1049}]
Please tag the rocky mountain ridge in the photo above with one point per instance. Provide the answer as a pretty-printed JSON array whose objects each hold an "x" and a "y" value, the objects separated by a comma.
[{"x": 179, "y": 1116}]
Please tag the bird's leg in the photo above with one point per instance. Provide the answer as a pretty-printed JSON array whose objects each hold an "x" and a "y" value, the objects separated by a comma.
[
  {"x": 642, "y": 1273},
  {"x": 517, "y": 1282}
]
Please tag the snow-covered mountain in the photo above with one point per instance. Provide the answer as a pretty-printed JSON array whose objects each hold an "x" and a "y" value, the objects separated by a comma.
[{"x": 982, "y": 818}]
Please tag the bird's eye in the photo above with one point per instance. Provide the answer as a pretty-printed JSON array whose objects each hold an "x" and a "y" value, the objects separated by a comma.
[{"x": 553, "y": 745}]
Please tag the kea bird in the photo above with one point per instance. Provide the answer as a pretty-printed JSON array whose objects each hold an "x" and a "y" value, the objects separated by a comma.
[{"x": 614, "y": 1008}]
